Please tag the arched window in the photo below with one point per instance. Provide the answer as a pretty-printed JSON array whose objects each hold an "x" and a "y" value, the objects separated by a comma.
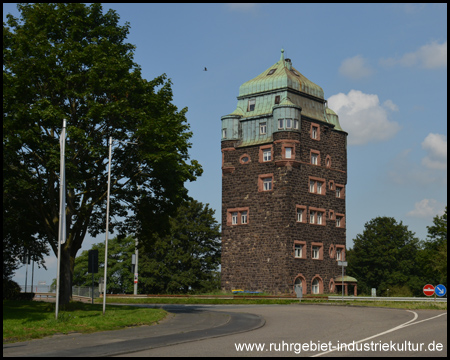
[{"x": 315, "y": 286}]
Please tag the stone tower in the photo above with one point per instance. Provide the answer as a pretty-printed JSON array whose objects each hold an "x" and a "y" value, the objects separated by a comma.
[{"x": 284, "y": 172}]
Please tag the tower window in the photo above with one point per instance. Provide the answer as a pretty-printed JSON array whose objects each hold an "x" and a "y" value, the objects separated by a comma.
[
  {"x": 317, "y": 186},
  {"x": 237, "y": 216},
  {"x": 340, "y": 221},
  {"x": 244, "y": 217},
  {"x": 251, "y": 105},
  {"x": 340, "y": 252},
  {"x": 295, "y": 124},
  {"x": 271, "y": 72},
  {"x": 312, "y": 215},
  {"x": 315, "y": 131},
  {"x": 300, "y": 215},
  {"x": 317, "y": 251},
  {"x": 263, "y": 128},
  {"x": 281, "y": 124},
  {"x": 315, "y": 157},
  {"x": 317, "y": 216},
  {"x": 339, "y": 191},
  {"x": 277, "y": 99},
  {"x": 234, "y": 218},
  {"x": 265, "y": 153},
  {"x": 244, "y": 159},
  {"x": 298, "y": 250},
  {"x": 224, "y": 133},
  {"x": 288, "y": 153},
  {"x": 288, "y": 123},
  {"x": 265, "y": 182},
  {"x": 315, "y": 287}
]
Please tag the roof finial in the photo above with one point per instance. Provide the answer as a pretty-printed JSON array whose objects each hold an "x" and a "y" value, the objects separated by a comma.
[{"x": 282, "y": 55}]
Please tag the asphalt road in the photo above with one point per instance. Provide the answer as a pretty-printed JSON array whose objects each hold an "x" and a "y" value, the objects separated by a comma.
[
  {"x": 260, "y": 330},
  {"x": 317, "y": 330}
]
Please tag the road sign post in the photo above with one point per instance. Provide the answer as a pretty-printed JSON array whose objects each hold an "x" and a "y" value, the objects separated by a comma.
[{"x": 343, "y": 264}]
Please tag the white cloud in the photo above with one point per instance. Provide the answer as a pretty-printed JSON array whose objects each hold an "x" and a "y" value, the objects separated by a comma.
[
  {"x": 429, "y": 56},
  {"x": 362, "y": 116},
  {"x": 390, "y": 105},
  {"x": 427, "y": 208},
  {"x": 355, "y": 68},
  {"x": 403, "y": 169},
  {"x": 436, "y": 147}
]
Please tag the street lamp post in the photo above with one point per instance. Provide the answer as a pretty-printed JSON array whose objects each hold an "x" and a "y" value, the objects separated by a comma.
[
  {"x": 107, "y": 225},
  {"x": 107, "y": 218}
]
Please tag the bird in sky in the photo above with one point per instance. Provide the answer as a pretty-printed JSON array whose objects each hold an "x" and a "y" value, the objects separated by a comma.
[{"x": 205, "y": 69}]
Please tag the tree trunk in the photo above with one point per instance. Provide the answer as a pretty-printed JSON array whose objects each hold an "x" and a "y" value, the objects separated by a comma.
[{"x": 66, "y": 274}]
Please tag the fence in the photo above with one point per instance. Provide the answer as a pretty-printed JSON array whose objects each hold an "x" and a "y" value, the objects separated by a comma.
[{"x": 76, "y": 290}]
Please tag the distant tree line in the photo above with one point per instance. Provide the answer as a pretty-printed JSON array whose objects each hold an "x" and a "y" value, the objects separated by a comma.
[{"x": 389, "y": 256}]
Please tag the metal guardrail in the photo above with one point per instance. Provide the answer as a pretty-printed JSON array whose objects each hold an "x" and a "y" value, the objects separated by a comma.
[
  {"x": 231, "y": 297},
  {"x": 46, "y": 294},
  {"x": 370, "y": 298}
]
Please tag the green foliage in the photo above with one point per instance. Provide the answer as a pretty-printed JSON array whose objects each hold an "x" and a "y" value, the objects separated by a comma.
[
  {"x": 70, "y": 61},
  {"x": 186, "y": 259},
  {"x": 119, "y": 275},
  {"x": 400, "y": 291},
  {"x": 433, "y": 258},
  {"x": 384, "y": 256},
  {"x": 11, "y": 289}
]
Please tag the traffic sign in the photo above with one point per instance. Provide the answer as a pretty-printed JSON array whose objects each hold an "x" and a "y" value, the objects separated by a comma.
[
  {"x": 428, "y": 290},
  {"x": 440, "y": 290}
]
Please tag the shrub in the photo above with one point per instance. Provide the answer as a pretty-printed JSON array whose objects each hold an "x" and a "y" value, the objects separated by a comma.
[{"x": 11, "y": 290}]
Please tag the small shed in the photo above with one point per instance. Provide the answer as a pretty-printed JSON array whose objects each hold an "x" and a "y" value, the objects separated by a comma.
[{"x": 348, "y": 281}]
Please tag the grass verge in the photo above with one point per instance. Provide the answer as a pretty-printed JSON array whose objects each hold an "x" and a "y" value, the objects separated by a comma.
[
  {"x": 255, "y": 301},
  {"x": 25, "y": 320}
]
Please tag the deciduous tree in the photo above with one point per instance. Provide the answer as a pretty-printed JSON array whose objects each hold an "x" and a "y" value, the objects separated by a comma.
[
  {"x": 187, "y": 258},
  {"x": 72, "y": 61},
  {"x": 119, "y": 276},
  {"x": 384, "y": 255}
]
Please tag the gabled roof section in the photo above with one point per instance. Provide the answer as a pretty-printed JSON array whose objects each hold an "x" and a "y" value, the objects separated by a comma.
[{"x": 282, "y": 75}]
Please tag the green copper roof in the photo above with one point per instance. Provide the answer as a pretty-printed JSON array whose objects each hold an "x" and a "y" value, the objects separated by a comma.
[
  {"x": 346, "y": 279},
  {"x": 333, "y": 119},
  {"x": 284, "y": 75}
]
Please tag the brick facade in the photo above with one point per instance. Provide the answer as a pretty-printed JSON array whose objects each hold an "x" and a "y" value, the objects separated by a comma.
[{"x": 260, "y": 254}]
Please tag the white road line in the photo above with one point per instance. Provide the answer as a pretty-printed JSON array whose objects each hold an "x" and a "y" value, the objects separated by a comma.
[{"x": 408, "y": 323}]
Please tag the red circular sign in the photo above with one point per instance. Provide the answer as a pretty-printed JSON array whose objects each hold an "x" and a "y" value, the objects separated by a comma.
[{"x": 428, "y": 290}]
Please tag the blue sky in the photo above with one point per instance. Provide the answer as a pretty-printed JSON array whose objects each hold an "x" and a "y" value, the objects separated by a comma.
[{"x": 383, "y": 68}]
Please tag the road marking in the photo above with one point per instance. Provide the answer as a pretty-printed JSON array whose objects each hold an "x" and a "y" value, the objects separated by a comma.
[{"x": 408, "y": 323}]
